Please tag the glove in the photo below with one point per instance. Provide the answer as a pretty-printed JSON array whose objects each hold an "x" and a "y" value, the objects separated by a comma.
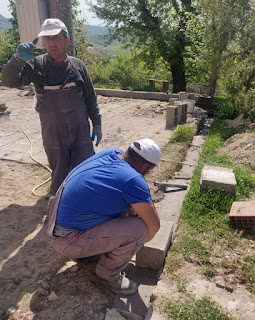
[
  {"x": 97, "y": 132},
  {"x": 24, "y": 51}
]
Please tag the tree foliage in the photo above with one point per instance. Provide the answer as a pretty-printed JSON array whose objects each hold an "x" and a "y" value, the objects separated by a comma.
[
  {"x": 157, "y": 28},
  {"x": 238, "y": 73},
  {"x": 9, "y": 39},
  {"x": 221, "y": 22}
]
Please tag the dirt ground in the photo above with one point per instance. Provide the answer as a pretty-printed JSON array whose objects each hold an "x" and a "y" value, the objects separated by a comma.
[{"x": 35, "y": 282}]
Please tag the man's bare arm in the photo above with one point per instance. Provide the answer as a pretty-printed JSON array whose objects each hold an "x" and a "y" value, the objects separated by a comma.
[{"x": 148, "y": 213}]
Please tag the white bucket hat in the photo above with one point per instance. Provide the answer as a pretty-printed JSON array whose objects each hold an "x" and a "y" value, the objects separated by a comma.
[
  {"x": 52, "y": 27},
  {"x": 148, "y": 150}
]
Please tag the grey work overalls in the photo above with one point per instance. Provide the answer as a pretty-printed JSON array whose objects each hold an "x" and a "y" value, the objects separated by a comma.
[{"x": 64, "y": 123}]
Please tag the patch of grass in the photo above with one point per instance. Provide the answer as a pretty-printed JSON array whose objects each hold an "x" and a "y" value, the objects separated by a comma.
[
  {"x": 192, "y": 309},
  {"x": 174, "y": 261},
  {"x": 209, "y": 272},
  {"x": 182, "y": 285},
  {"x": 191, "y": 248},
  {"x": 183, "y": 134},
  {"x": 249, "y": 270},
  {"x": 204, "y": 222}
]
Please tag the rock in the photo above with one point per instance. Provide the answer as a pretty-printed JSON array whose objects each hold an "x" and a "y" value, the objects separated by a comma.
[
  {"x": 74, "y": 269},
  {"x": 113, "y": 315},
  {"x": 45, "y": 285},
  {"x": 42, "y": 292},
  {"x": 119, "y": 314},
  {"x": 10, "y": 311},
  {"x": 53, "y": 297}
]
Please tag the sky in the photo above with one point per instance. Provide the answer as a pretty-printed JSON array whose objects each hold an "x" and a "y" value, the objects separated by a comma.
[{"x": 90, "y": 19}]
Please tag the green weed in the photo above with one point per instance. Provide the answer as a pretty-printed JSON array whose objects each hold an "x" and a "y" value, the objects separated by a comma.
[
  {"x": 183, "y": 134},
  {"x": 209, "y": 272},
  {"x": 225, "y": 108},
  {"x": 191, "y": 309}
]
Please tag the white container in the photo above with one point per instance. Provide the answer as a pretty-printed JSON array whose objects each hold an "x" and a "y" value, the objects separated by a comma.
[{"x": 190, "y": 105}]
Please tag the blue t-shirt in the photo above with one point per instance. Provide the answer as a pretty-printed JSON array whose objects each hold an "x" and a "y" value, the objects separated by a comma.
[{"x": 99, "y": 189}]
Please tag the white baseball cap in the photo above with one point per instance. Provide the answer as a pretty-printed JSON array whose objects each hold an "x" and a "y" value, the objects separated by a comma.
[
  {"x": 148, "y": 150},
  {"x": 52, "y": 27}
]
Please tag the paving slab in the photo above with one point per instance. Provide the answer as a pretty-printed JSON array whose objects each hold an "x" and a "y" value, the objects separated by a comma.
[{"x": 215, "y": 177}]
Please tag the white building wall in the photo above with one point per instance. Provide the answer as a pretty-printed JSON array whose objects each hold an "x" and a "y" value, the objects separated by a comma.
[{"x": 30, "y": 15}]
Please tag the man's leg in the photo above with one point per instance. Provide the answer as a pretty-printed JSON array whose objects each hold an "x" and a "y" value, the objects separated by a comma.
[
  {"x": 116, "y": 240},
  {"x": 59, "y": 161},
  {"x": 79, "y": 153}
]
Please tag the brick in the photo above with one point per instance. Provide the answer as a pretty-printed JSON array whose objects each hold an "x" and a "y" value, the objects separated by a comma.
[
  {"x": 215, "y": 177},
  {"x": 242, "y": 214}
]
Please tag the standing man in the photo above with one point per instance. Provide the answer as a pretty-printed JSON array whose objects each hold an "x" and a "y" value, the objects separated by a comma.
[
  {"x": 104, "y": 207},
  {"x": 65, "y": 99}
]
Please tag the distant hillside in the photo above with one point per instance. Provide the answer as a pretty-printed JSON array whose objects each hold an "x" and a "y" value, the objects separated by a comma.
[
  {"x": 96, "y": 34},
  {"x": 4, "y": 23}
]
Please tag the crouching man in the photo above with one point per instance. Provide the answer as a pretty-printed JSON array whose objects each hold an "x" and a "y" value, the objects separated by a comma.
[{"x": 104, "y": 207}]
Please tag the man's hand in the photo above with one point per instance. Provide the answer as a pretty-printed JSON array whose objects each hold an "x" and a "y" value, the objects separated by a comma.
[
  {"x": 148, "y": 213},
  {"x": 24, "y": 51},
  {"x": 97, "y": 132}
]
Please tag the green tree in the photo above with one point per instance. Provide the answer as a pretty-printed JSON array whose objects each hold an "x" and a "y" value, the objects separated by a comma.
[
  {"x": 156, "y": 28},
  {"x": 222, "y": 21},
  {"x": 238, "y": 73},
  {"x": 10, "y": 39}
]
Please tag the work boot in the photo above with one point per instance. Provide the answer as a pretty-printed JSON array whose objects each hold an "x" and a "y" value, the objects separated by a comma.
[{"x": 120, "y": 286}]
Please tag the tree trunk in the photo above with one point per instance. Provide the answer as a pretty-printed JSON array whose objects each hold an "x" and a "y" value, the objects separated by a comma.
[
  {"x": 212, "y": 81},
  {"x": 179, "y": 79},
  {"x": 62, "y": 10}
]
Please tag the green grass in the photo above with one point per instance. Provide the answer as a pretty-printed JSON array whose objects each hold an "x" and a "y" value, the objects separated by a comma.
[
  {"x": 191, "y": 309},
  {"x": 183, "y": 134},
  {"x": 204, "y": 220},
  {"x": 209, "y": 272}
]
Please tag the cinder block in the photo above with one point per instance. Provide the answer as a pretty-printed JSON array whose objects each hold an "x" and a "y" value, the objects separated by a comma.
[
  {"x": 171, "y": 116},
  {"x": 242, "y": 214},
  {"x": 152, "y": 254},
  {"x": 215, "y": 177}
]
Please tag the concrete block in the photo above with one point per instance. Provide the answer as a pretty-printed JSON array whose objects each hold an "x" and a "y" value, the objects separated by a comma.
[
  {"x": 215, "y": 177},
  {"x": 152, "y": 254},
  {"x": 179, "y": 114},
  {"x": 172, "y": 100},
  {"x": 184, "y": 113},
  {"x": 171, "y": 116},
  {"x": 183, "y": 95},
  {"x": 242, "y": 214},
  {"x": 190, "y": 105}
]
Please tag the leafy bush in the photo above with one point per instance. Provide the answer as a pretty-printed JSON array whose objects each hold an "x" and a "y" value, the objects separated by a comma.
[
  {"x": 127, "y": 71},
  {"x": 226, "y": 109}
]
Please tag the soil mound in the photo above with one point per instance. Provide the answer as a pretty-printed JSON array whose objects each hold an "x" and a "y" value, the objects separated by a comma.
[{"x": 241, "y": 149}]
